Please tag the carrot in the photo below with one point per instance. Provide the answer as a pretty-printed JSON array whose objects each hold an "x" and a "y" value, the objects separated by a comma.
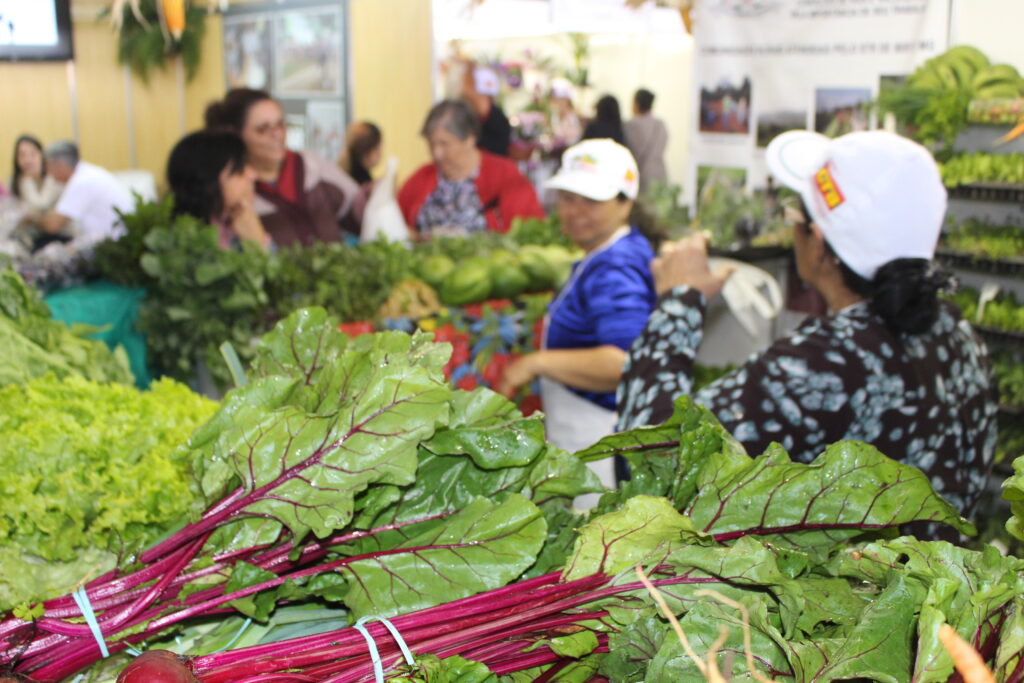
[
  {"x": 966, "y": 659},
  {"x": 174, "y": 16},
  {"x": 1017, "y": 131}
]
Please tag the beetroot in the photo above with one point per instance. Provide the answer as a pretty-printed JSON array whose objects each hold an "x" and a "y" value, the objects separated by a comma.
[{"x": 158, "y": 666}]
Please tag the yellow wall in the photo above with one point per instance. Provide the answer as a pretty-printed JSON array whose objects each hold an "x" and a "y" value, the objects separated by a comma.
[
  {"x": 391, "y": 85},
  {"x": 40, "y": 97},
  {"x": 392, "y": 66},
  {"x": 37, "y": 100}
]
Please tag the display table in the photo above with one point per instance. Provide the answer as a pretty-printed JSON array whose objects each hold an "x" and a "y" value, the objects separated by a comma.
[
  {"x": 112, "y": 310},
  {"x": 485, "y": 339}
]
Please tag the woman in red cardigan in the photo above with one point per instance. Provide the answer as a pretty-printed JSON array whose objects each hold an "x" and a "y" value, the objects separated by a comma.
[{"x": 465, "y": 189}]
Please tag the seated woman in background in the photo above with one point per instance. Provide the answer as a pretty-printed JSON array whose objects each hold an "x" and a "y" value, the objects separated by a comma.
[
  {"x": 300, "y": 196},
  {"x": 30, "y": 182},
  {"x": 890, "y": 364},
  {"x": 465, "y": 189},
  {"x": 603, "y": 306},
  {"x": 211, "y": 181}
]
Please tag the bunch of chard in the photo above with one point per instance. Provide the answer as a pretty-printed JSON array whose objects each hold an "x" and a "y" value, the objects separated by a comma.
[
  {"x": 346, "y": 471},
  {"x": 808, "y": 549}
]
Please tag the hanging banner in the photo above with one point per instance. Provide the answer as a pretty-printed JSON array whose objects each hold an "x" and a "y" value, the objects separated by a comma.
[{"x": 766, "y": 66}]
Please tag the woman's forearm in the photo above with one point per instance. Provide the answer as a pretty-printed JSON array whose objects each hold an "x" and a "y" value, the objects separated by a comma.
[{"x": 594, "y": 369}]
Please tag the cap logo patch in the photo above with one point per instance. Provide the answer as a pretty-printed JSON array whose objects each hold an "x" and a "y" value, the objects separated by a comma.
[
  {"x": 827, "y": 187},
  {"x": 583, "y": 162}
]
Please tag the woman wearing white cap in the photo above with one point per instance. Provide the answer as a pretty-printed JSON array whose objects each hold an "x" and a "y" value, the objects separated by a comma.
[
  {"x": 890, "y": 364},
  {"x": 605, "y": 304}
]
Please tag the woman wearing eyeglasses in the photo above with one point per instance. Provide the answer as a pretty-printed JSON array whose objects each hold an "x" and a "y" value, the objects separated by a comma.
[
  {"x": 300, "y": 196},
  {"x": 890, "y": 364}
]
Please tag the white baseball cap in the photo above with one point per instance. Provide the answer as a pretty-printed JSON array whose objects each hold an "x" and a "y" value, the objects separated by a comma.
[
  {"x": 562, "y": 87},
  {"x": 598, "y": 169},
  {"x": 486, "y": 81},
  {"x": 875, "y": 195}
]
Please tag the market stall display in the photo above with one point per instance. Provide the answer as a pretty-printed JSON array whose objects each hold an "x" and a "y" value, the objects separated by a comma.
[
  {"x": 199, "y": 296},
  {"x": 339, "y": 466},
  {"x": 456, "y": 526}
]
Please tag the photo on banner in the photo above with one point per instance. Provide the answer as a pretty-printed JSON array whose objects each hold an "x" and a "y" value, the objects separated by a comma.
[
  {"x": 247, "y": 52},
  {"x": 777, "y": 113},
  {"x": 308, "y": 53},
  {"x": 838, "y": 111},
  {"x": 725, "y": 106}
]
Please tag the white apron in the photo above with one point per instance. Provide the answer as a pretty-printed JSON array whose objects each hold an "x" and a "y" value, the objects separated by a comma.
[{"x": 572, "y": 422}]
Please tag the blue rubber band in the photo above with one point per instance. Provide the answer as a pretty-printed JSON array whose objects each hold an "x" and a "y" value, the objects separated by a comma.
[
  {"x": 234, "y": 640},
  {"x": 82, "y": 600},
  {"x": 378, "y": 669}
]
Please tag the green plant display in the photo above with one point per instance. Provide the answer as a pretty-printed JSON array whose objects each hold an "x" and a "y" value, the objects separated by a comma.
[
  {"x": 935, "y": 99},
  {"x": 983, "y": 239},
  {"x": 145, "y": 46},
  {"x": 980, "y": 167}
]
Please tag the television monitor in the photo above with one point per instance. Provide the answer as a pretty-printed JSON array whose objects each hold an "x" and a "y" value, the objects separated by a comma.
[{"x": 35, "y": 30}]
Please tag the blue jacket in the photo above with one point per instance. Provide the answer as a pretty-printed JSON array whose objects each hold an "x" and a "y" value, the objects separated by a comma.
[{"x": 607, "y": 302}]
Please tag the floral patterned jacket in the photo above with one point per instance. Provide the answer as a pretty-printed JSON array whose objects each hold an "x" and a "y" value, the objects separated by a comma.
[{"x": 926, "y": 400}]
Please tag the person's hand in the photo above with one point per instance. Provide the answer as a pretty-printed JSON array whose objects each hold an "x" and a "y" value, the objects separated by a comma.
[
  {"x": 686, "y": 263},
  {"x": 245, "y": 223},
  {"x": 519, "y": 372}
]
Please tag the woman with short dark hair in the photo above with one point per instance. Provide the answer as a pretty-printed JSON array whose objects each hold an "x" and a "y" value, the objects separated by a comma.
[
  {"x": 891, "y": 364},
  {"x": 464, "y": 189},
  {"x": 607, "y": 122},
  {"x": 300, "y": 196},
  {"x": 211, "y": 180}
]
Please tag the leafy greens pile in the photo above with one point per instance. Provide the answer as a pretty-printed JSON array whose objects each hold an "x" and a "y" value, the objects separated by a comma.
[
  {"x": 345, "y": 470},
  {"x": 199, "y": 296},
  {"x": 808, "y": 550},
  {"x": 88, "y": 472},
  {"x": 34, "y": 344}
]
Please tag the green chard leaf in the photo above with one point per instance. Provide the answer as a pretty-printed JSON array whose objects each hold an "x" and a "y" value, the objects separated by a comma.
[
  {"x": 646, "y": 527},
  {"x": 432, "y": 669},
  {"x": 666, "y": 459},
  {"x": 848, "y": 490},
  {"x": 968, "y": 589},
  {"x": 481, "y": 547},
  {"x": 702, "y": 626},
  {"x": 878, "y": 647},
  {"x": 633, "y": 648},
  {"x": 305, "y": 469},
  {"x": 490, "y": 429}
]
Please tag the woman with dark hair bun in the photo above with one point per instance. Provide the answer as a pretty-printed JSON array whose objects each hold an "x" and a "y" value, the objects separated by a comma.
[
  {"x": 211, "y": 180},
  {"x": 890, "y": 364},
  {"x": 300, "y": 196}
]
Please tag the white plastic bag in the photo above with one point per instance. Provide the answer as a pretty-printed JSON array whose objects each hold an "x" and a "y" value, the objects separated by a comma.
[
  {"x": 382, "y": 218},
  {"x": 739, "y": 322}
]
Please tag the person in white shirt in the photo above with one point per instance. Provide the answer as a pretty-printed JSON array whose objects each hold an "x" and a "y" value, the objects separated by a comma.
[{"x": 91, "y": 199}]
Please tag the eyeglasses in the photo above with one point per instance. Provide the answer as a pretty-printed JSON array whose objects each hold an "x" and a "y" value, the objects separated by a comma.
[{"x": 265, "y": 128}]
